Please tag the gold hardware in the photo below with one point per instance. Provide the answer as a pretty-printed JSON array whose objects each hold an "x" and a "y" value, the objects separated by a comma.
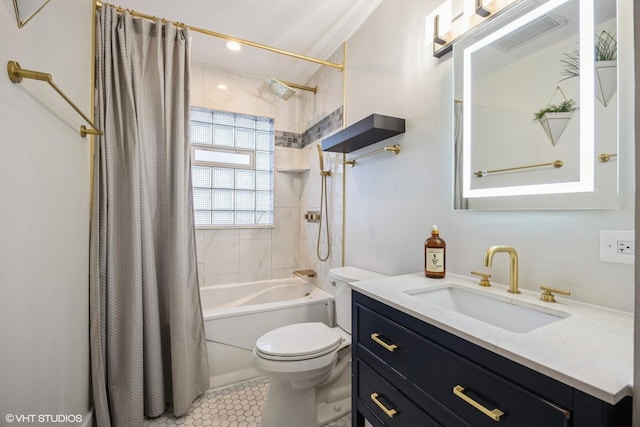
[
  {"x": 564, "y": 412},
  {"x": 513, "y": 257},
  {"x": 308, "y": 273},
  {"x": 321, "y": 157},
  {"x": 390, "y": 412},
  {"x": 605, "y": 157},
  {"x": 22, "y": 23},
  {"x": 227, "y": 37},
  {"x": 301, "y": 87},
  {"x": 556, "y": 164},
  {"x": 547, "y": 293},
  {"x": 343, "y": 228},
  {"x": 312, "y": 216},
  {"x": 16, "y": 74},
  {"x": 395, "y": 149},
  {"x": 494, "y": 414},
  {"x": 484, "y": 281},
  {"x": 390, "y": 347}
]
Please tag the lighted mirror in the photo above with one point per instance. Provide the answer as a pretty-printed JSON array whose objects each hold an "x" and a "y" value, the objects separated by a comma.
[
  {"x": 27, "y": 9},
  {"x": 535, "y": 108}
]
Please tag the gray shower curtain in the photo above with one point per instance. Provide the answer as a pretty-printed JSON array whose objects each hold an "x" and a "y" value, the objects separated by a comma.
[{"x": 147, "y": 333}]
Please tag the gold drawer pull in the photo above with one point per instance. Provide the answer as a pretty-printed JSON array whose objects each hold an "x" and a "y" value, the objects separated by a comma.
[
  {"x": 390, "y": 412},
  {"x": 376, "y": 338},
  {"x": 494, "y": 414}
]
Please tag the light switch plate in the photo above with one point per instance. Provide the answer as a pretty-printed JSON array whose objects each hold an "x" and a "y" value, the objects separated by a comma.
[{"x": 617, "y": 246}]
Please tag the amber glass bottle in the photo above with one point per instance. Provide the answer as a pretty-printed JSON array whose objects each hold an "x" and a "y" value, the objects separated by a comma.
[{"x": 434, "y": 255}]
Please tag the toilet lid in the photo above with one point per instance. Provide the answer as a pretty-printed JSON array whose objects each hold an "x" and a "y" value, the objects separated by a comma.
[{"x": 299, "y": 340}]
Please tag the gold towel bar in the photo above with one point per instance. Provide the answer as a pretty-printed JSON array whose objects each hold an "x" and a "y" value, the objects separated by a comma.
[
  {"x": 395, "y": 149},
  {"x": 556, "y": 164},
  {"x": 16, "y": 74},
  {"x": 605, "y": 157},
  {"x": 23, "y": 22}
]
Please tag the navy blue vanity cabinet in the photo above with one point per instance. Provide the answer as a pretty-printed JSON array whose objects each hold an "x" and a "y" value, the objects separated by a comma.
[{"x": 409, "y": 373}]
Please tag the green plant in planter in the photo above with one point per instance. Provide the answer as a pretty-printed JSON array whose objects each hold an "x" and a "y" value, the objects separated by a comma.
[
  {"x": 566, "y": 106},
  {"x": 605, "y": 49}
]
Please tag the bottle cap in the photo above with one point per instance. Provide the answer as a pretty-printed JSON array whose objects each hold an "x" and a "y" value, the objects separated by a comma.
[{"x": 434, "y": 229}]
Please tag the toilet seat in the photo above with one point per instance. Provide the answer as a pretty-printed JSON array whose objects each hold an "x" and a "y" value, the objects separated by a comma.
[{"x": 300, "y": 341}]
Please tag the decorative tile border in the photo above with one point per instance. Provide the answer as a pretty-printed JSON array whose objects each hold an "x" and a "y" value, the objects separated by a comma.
[
  {"x": 322, "y": 128},
  {"x": 288, "y": 139}
]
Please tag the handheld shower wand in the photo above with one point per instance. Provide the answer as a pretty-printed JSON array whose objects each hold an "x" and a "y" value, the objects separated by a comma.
[
  {"x": 321, "y": 155},
  {"x": 323, "y": 202}
]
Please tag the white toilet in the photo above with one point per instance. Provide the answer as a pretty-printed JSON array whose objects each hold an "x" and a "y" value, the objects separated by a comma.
[{"x": 309, "y": 364}]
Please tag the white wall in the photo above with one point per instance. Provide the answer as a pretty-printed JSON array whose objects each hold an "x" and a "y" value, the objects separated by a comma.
[
  {"x": 44, "y": 214},
  {"x": 392, "y": 201}
]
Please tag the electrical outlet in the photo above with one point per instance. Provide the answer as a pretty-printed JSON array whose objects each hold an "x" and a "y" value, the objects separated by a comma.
[
  {"x": 626, "y": 247},
  {"x": 617, "y": 246}
]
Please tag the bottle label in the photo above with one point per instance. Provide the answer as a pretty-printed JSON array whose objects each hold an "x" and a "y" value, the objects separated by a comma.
[{"x": 435, "y": 260}]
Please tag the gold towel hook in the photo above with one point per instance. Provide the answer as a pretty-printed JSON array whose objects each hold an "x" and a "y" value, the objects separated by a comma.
[
  {"x": 605, "y": 157},
  {"x": 17, "y": 73}
]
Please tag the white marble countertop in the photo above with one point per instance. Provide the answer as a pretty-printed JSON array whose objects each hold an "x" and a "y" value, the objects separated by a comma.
[{"x": 590, "y": 350}]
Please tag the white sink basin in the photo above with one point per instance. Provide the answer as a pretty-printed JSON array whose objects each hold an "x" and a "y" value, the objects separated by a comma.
[{"x": 489, "y": 308}]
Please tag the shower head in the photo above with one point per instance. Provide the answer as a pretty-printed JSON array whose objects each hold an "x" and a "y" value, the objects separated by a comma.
[{"x": 277, "y": 88}]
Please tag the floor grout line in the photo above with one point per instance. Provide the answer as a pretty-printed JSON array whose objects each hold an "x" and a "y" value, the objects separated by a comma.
[{"x": 237, "y": 405}]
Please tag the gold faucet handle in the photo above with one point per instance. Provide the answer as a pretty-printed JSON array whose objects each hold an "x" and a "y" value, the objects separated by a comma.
[
  {"x": 484, "y": 281},
  {"x": 547, "y": 293}
]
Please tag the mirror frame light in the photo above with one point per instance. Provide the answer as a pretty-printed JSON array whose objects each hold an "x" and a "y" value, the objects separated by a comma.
[{"x": 587, "y": 109}]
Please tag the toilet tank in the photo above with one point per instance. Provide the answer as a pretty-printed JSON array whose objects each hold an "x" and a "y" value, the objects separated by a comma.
[{"x": 340, "y": 278}]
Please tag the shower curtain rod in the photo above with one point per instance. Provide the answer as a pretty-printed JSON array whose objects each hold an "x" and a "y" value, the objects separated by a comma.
[{"x": 340, "y": 67}]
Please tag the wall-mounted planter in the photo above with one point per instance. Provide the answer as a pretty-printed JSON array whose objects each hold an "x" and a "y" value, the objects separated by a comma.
[
  {"x": 606, "y": 80},
  {"x": 367, "y": 131},
  {"x": 554, "y": 124}
]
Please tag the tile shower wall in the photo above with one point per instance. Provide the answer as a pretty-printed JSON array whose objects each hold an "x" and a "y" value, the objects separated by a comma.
[
  {"x": 241, "y": 255},
  {"x": 321, "y": 116},
  {"x": 317, "y": 131}
]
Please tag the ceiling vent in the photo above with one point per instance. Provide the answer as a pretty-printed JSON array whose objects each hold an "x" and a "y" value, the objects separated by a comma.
[
  {"x": 527, "y": 32},
  {"x": 530, "y": 31}
]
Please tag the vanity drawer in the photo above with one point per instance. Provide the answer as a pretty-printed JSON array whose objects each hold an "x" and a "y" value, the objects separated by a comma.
[
  {"x": 386, "y": 402},
  {"x": 475, "y": 394}
]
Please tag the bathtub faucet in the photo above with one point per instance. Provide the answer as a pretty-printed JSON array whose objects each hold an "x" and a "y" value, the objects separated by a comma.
[{"x": 308, "y": 273}]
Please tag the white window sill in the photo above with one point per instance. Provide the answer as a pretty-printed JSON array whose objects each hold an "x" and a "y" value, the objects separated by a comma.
[{"x": 233, "y": 227}]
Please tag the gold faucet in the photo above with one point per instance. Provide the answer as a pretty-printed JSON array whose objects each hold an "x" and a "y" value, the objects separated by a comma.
[{"x": 513, "y": 257}]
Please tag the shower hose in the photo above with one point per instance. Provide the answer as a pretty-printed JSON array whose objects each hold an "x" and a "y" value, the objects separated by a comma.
[{"x": 324, "y": 215}]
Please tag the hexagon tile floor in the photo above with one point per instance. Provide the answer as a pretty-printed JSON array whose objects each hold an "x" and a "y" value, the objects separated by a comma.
[{"x": 239, "y": 405}]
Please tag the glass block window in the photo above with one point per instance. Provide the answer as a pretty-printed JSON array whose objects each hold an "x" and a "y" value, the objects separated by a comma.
[{"x": 232, "y": 168}]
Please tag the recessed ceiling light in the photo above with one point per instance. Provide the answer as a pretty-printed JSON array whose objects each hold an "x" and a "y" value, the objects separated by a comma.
[
  {"x": 234, "y": 46},
  {"x": 222, "y": 86}
]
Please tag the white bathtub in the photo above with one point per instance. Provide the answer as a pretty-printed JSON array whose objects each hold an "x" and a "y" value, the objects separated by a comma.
[{"x": 236, "y": 315}]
